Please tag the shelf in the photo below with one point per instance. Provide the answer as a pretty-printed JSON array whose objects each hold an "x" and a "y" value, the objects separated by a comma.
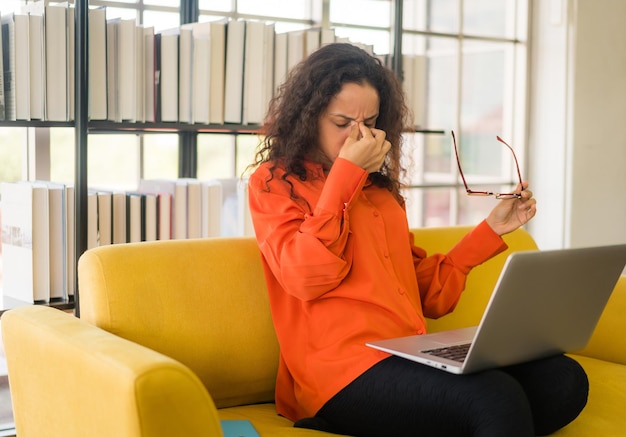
[
  {"x": 113, "y": 127},
  {"x": 8, "y": 303}
]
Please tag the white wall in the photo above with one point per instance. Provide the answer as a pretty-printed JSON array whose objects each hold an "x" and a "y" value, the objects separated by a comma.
[{"x": 577, "y": 115}]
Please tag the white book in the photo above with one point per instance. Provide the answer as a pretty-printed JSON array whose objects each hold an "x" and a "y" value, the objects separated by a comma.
[
  {"x": 327, "y": 36},
  {"x": 254, "y": 73},
  {"x": 150, "y": 216},
  {"x": 177, "y": 191},
  {"x": 105, "y": 218},
  {"x": 37, "y": 67},
  {"x": 218, "y": 66},
  {"x": 201, "y": 79},
  {"x": 312, "y": 40},
  {"x": 97, "y": 64},
  {"x": 233, "y": 93},
  {"x": 71, "y": 57},
  {"x": 22, "y": 67},
  {"x": 118, "y": 215},
  {"x": 149, "y": 75},
  {"x": 8, "y": 55},
  {"x": 185, "y": 72},
  {"x": 92, "y": 219},
  {"x": 268, "y": 67},
  {"x": 280, "y": 59},
  {"x": 140, "y": 73},
  {"x": 164, "y": 213},
  {"x": 244, "y": 218},
  {"x": 127, "y": 80},
  {"x": 134, "y": 217},
  {"x": 420, "y": 90},
  {"x": 211, "y": 209},
  {"x": 295, "y": 48},
  {"x": 2, "y": 47},
  {"x": 194, "y": 207},
  {"x": 70, "y": 241},
  {"x": 169, "y": 75},
  {"x": 57, "y": 108},
  {"x": 57, "y": 240},
  {"x": 113, "y": 70},
  {"x": 25, "y": 242}
]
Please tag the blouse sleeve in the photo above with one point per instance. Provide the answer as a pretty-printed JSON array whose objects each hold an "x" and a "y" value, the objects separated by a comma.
[
  {"x": 441, "y": 278},
  {"x": 307, "y": 247}
]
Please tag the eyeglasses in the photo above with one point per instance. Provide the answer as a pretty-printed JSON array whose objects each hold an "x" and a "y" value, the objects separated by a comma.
[{"x": 489, "y": 193}]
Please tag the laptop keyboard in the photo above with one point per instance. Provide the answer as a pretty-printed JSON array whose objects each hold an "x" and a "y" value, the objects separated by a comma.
[{"x": 454, "y": 353}]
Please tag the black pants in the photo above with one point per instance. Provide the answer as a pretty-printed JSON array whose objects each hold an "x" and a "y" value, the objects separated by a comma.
[{"x": 398, "y": 397}]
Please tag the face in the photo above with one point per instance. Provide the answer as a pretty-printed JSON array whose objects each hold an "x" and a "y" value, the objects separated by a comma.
[{"x": 354, "y": 103}]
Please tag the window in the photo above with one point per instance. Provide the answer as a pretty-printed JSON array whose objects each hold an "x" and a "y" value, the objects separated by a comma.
[
  {"x": 475, "y": 56},
  {"x": 474, "y": 60}
]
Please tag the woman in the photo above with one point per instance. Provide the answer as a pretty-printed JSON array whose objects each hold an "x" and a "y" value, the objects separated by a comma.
[{"x": 342, "y": 270}]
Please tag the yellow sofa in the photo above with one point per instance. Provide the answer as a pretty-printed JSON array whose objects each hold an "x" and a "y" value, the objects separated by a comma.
[{"x": 176, "y": 335}]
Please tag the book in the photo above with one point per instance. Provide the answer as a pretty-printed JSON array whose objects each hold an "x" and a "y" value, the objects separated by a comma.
[
  {"x": 280, "y": 59},
  {"x": 92, "y": 219},
  {"x": 37, "y": 65},
  {"x": 168, "y": 80},
  {"x": 201, "y": 74},
  {"x": 140, "y": 74},
  {"x": 164, "y": 216},
  {"x": 194, "y": 207},
  {"x": 151, "y": 216},
  {"x": 186, "y": 63},
  {"x": 25, "y": 242},
  {"x": 312, "y": 40},
  {"x": 1, "y": 72},
  {"x": 218, "y": 66},
  {"x": 176, "y": 190},
  {"x": 71, "y": 57},
  {"x": 211, "y": 209},
  {"x": 135, "y": 211},
  {"x": 127, "y": 79},
  {"x": 113, "y": 69},
  {"x": 238, "y": 428},
  {"x": 105, "y": 218},
  {"x": 56, "y": 63},
  {"x": 118, "y": 215},
  {"x": 233, "y": 92},
  {"x": 22, "y": 66},
  {"x": 295, "y": 48},
  {"x": 149, "y": 75},
  {"x": 254, "y": 77},
  {"x": 57, "y": 240},
  {"x": 8, "y": 56},
  {"x": 97, "y": 64},
  {"x": 327, "y": 36},
  {"x": 70, "y": 241}
]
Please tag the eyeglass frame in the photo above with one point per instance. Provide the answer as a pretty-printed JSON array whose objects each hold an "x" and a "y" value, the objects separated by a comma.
[{"x": 489, "y": 193}]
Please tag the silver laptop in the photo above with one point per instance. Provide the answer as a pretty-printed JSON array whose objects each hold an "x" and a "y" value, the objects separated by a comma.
[{"x": 544, "y": 303}]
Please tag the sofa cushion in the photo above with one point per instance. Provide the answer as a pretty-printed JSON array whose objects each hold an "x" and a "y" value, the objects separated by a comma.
[
  {"x": 201, "y": 302},
  {"x": 604, "y": 413}
]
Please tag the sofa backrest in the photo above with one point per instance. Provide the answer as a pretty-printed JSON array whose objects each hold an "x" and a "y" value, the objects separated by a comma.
[
  {"x": 201, "y": 302},
  {"x": 481, "y": 280},
  {"x": 205, "y": 304}
]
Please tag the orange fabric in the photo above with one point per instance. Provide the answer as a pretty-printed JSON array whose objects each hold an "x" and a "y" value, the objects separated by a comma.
[{"x": 341, "y": 270}]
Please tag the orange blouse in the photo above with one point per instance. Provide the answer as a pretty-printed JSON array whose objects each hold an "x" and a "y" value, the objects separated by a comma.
[{"x": 341, "y": 270}]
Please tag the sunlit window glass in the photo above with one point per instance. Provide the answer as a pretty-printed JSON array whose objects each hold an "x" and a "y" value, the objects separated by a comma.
[
  {"x": 275, "y": 8},
  {"x": 216, "y": 156},
  {"x": 160, "y": 156}
]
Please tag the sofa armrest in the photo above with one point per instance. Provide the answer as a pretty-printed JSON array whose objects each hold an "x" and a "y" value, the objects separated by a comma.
[
  {"x": 608, "y": 341},
  {"x": 71, "y": 378}
]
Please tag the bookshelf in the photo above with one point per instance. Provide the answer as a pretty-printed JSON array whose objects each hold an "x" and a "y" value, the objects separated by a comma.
[{"x": 83, "y": 126}]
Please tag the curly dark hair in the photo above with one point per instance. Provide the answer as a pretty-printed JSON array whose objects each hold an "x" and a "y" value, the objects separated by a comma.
[{"x": 291, "y": 124}]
